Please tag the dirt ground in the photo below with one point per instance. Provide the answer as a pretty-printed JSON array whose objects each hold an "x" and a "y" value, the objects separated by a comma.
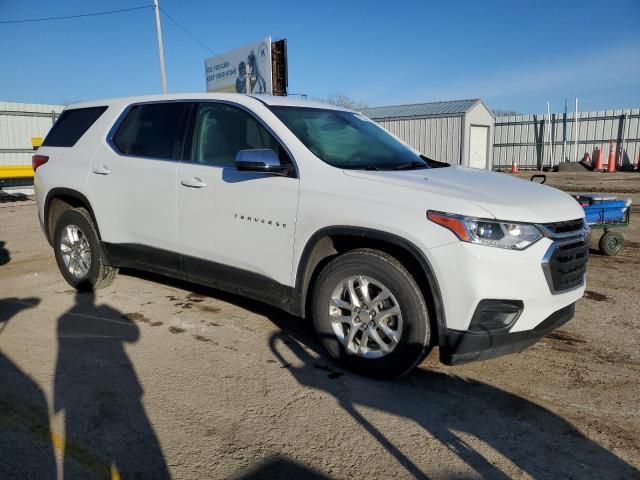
[{"x": 153, "y": 378}]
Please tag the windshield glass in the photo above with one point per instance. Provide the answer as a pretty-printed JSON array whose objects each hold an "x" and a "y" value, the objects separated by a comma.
[{"x": 348, "y": 140}]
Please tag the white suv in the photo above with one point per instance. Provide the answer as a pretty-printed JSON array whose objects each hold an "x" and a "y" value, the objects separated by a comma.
[{"x": 316, "y": 210}]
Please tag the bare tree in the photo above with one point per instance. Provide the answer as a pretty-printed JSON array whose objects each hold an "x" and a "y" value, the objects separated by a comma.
[
  {"x": 503, "y": 113},
  {"x": 341, "y": 100}
]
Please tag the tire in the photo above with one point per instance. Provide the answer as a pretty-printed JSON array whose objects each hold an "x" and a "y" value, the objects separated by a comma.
[
  {"x": 611, "y": 243},
  {"x": 378, "y": 274},
  {"x": 83, "y": 272}
]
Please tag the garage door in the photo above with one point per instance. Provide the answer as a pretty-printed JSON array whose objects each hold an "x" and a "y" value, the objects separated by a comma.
[{"x": 478, "y": 146}]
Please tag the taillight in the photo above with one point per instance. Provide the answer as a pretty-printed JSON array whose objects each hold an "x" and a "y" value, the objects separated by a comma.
[{"x": 38, "y": 160}]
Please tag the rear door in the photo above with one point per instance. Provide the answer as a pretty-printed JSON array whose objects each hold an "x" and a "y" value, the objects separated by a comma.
[
  {"x": 133, "y": 184},
  {"x": 240, "y": 224}
]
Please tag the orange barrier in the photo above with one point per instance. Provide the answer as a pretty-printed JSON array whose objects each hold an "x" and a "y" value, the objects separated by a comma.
[
  {"x": 597, "y": 161},
  {"x": 611, "y": 165}
]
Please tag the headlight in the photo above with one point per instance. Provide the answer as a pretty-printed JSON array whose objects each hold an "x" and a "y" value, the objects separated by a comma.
[{"x": 514, "y": 236}]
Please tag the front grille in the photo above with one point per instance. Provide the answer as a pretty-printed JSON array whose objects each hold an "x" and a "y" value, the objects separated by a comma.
[
  {"x": 568, "y": 264},
  {"x": 563, "y": 228}
]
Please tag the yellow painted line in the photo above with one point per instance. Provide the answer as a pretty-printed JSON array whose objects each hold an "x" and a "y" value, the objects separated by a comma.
[
  {"x": 16, "y": 171},
  {"x": 57, "y": 441},
  {"x": 115, "y": 474},
  {"x": 59, "y": 444}
]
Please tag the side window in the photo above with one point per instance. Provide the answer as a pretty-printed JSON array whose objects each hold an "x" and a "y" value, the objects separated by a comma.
[
  {"x": 71, "y": 125},
  {"x": 152, "y": 130},
  {"x": 221, "y": 130}
]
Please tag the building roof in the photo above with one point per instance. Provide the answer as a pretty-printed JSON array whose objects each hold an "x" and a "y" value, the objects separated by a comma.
[{"x": 452, "y": 107}]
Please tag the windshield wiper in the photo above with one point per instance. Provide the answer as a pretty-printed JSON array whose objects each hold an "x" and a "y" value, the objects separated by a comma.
[
  {"x": 362, "y": 167},
  {"x": 411, "y": 166}
]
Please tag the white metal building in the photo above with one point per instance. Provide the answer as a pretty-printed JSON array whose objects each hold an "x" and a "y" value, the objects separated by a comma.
[
  {"x": 459, "y": 132},
  {"x": 19, "y": 122}
]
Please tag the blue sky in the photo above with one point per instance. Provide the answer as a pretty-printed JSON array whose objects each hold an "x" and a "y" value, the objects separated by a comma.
[{"x": 515, "y": 55}]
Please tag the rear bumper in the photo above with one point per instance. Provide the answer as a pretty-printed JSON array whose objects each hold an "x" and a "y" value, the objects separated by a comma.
[{"x": 458, "y": 347}]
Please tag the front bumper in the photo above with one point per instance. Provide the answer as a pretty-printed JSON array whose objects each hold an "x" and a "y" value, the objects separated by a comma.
[
  {"x": 458, "y": 347},
  {"x": 468, "y": 274}
]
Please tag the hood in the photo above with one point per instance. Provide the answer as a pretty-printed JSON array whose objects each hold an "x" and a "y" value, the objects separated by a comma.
[{"x": 503, "y": 196}]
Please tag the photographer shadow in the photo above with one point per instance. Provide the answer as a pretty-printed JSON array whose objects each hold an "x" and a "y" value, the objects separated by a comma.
[
  {"x": 25, "y": 435},
  {"x": 107, "y": 432}
]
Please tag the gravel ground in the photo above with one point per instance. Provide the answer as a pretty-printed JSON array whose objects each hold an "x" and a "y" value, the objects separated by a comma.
[{"x": 153, "y": 378}]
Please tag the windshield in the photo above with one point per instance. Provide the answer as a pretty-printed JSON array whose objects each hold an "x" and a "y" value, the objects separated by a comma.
[{"x": 348, "y": 140}]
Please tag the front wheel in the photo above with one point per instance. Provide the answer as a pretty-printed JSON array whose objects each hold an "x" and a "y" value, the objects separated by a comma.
[
  {"x": 78, "y": 253},
  {"x": 370, "y": 314}
]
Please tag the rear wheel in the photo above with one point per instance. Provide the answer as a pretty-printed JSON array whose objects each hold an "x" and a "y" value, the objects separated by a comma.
[
  {"x": 611, "y": 243},
  {"x": 370, "y": 314},
  {"x": 78, "y": 253}
]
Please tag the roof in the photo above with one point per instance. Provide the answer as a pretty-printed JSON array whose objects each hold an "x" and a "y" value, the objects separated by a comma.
[
  {"x": 451, "y": 107},
  {"x": 233, "y": 97}
]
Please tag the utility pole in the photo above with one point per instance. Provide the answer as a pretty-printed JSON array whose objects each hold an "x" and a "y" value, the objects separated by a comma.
[{"x": 163, "y": 77}]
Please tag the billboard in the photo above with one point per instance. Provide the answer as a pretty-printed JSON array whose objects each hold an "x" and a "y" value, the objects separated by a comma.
[{"x": 246, "y": 69}]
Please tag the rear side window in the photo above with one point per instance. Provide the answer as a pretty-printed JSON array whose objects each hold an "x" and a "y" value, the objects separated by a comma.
[
  {"x": 152, "y": 130},
  {"x": 71, "y": 125}
]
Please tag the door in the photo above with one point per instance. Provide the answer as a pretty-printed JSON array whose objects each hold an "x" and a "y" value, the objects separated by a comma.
[
  {"x": 478, "y": 143},
  {"x": 235, "y": 224},
  {"x": 132, "y": 185}
]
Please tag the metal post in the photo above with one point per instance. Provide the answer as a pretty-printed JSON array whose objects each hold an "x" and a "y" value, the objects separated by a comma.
[
  {"x": 623, "y": 140},
  {"x": 550, "y": 135},
  {"x": 564, "y": 131},
  {"x": 575, "y": 127},
  {"x": 163, "y": 77},
  {"x": 543, "y": 134}
]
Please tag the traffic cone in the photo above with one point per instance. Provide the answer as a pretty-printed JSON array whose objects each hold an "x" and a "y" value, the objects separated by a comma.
[
  {"x": 514, "y": 166},
  {"x": 611, "y": 164},
  {"x": 597, "y": 161}
]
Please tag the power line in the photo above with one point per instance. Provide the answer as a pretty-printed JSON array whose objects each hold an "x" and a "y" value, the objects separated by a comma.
[
  {"x": 30, "y": 20},
  {"x": 193, "y": 37}
]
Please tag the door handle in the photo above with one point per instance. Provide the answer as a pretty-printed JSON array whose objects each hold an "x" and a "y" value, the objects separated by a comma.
[
  {"x": 193, "y": 182},
  {"x": 103, "y": 170}
]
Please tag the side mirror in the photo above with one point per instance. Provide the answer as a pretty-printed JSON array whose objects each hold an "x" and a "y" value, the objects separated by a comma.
[{"x": 262, "y": 160}]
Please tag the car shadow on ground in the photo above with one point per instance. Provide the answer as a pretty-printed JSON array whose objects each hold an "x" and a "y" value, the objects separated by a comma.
[{"x": 449, "y": 409}]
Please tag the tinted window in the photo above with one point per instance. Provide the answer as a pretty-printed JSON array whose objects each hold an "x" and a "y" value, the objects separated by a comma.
[
  {"x": 222, "y": 130},
  {"x": 348, "y": 140},
  {"x": 71, "y": 126},
  {"x": 152, "y": 130}
]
